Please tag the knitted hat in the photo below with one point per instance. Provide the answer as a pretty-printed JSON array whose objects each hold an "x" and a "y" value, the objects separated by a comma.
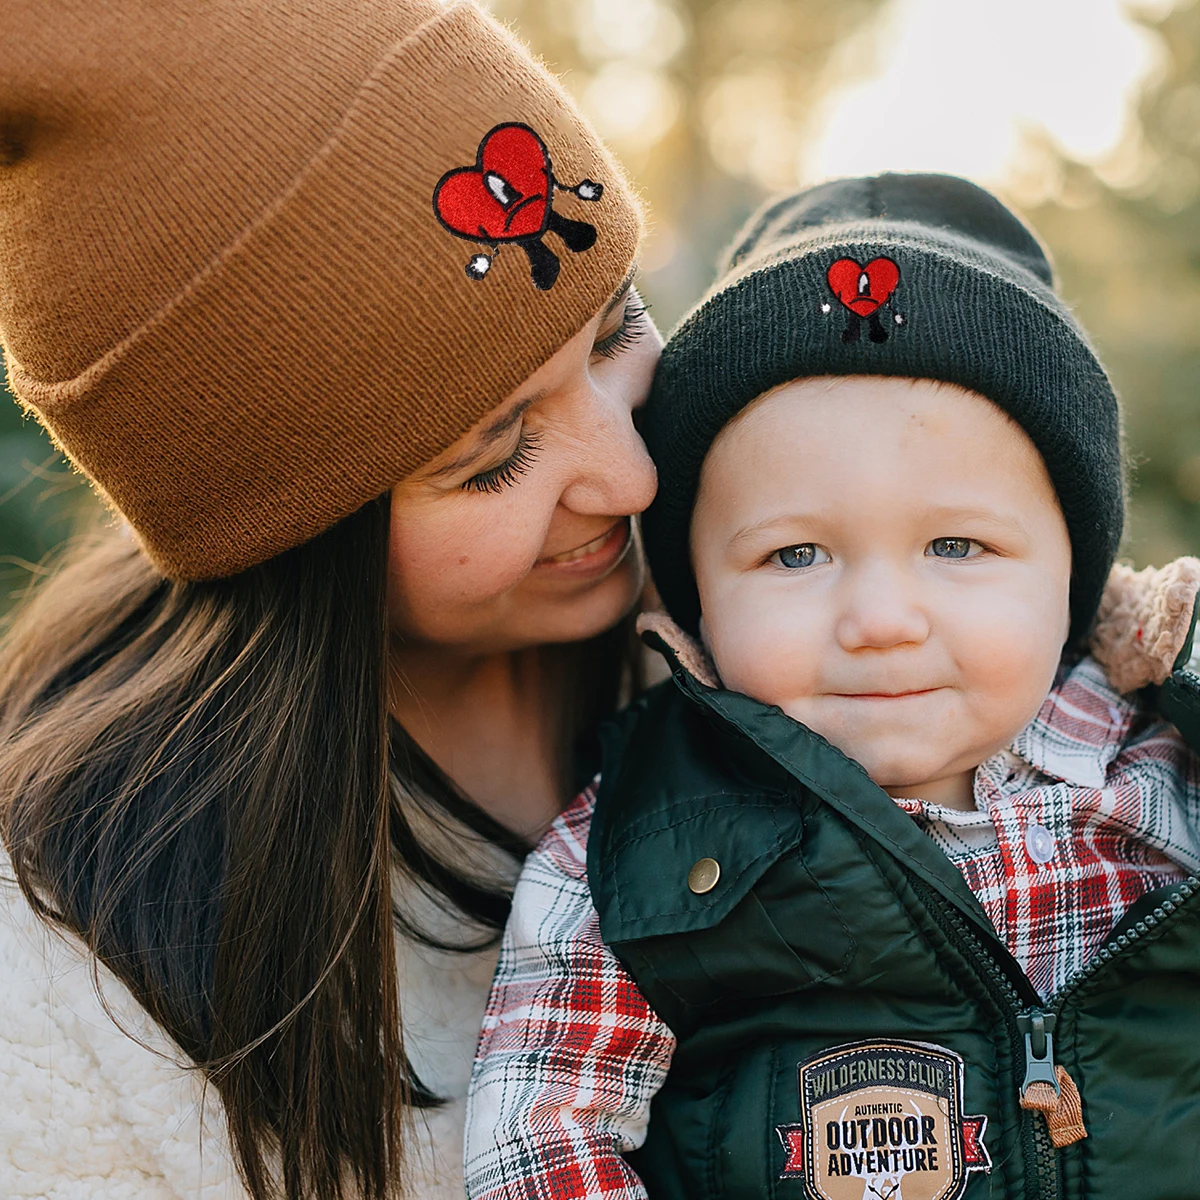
[
  {"x": 923, "y": 276},
  {"x": 260, "y": 259}
]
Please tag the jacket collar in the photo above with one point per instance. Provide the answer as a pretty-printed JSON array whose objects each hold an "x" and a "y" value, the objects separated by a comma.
[
  {"x": 1146, "y": 622},
  {"x": 814, "y": 763}
]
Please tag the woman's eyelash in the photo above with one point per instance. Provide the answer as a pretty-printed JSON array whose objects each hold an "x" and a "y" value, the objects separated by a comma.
[
  {"x": 631, "y": 328},
  {"x": 496, "y": 479}
]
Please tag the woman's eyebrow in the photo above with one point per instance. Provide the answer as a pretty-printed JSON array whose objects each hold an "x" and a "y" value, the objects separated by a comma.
[
  {"x": 621, "y": 292},
  {"x": 491, "y": 433}
]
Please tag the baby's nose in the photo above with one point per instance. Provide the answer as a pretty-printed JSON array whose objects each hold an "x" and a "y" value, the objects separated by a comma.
[{"x": 877, "y": 612}]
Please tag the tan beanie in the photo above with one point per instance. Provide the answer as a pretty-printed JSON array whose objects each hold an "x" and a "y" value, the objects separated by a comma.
[{"x": 260, "y": 259}]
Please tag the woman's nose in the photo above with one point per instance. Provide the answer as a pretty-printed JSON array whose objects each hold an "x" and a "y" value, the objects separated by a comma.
[
  {"x": 615, "y": 475},
  {"x": 878, "y": 610}
]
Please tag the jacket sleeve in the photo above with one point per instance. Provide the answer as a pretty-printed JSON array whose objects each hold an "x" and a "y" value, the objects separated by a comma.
[{"x": 570, "y": 1054}]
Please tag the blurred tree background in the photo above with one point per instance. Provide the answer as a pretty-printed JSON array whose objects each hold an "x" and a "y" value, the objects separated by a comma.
[
  {"x": 1126, "y": 240},
  {"x": 714, "y": 104},
  {"x": 42, "y": 501}
]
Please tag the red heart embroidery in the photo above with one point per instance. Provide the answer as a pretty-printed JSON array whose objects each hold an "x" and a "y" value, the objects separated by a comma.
[
  {"x": 505, "y": 196},
  {"x": 863, "y": 289}
]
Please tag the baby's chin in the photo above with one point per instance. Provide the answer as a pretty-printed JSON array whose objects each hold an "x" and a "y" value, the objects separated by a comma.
[
  {"x": 900, "y": 752},
  {"x": 899, "y": 773}
]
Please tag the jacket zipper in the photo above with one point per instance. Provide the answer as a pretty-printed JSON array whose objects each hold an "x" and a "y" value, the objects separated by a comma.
[
  {"x": 1041, "y": 1163},
  {"x": 1124, "y": 943},
  {"x": 1032, "y": 1025}
]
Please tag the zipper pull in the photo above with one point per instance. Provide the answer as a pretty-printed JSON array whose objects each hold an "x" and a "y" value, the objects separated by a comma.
[
  {"x": 1038, "y": 1028},
  {"x": 1048, "y": 1088}
]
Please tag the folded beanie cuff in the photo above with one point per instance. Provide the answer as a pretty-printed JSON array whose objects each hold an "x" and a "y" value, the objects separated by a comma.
[{"x": 337, "y": 343}]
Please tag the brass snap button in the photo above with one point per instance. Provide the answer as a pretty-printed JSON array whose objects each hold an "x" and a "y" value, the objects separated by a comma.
[{"x": 704, "y": 875}]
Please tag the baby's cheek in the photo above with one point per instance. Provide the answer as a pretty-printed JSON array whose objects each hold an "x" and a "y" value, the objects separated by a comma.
[
  {"x": 1009, "y": 669},
  {"x": 764, "y": 651}
]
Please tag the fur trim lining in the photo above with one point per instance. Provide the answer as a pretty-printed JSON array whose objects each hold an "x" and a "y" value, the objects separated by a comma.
[
  {"x": 692, "y": 655},
  {"x": 1143, "y": 622}
]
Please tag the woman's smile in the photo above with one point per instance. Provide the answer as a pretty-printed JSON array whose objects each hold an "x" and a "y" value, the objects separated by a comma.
[{"x": 597, "y": 557}]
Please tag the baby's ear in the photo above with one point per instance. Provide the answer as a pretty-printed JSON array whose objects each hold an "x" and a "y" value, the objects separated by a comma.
[{"x": 1143, "y": 622}]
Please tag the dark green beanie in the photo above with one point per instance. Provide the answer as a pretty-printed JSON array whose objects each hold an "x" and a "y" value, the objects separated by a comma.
[{"x": 922, "y": 276}]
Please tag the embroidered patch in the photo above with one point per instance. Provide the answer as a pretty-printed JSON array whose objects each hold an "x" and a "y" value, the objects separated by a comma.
[
  {"x": 883, "y": 1120},
  {"x": 508, "y": 196},
  {"x": 863, "y": 291}
]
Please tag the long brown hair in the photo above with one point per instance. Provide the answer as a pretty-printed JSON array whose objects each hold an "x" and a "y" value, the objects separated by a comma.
[{"x": 201, "y": 782}]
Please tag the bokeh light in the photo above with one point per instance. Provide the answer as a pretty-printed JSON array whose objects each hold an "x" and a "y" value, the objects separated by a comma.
[{"x": 960, "y": 84}]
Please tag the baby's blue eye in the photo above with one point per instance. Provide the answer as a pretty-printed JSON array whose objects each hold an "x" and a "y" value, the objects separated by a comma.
[
  {"x": 804, "y": 555},
  {"x": 950, "y": 547}
]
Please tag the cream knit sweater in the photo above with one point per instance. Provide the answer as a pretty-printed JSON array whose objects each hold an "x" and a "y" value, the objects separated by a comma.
[{"x": 88, "y": 1113}]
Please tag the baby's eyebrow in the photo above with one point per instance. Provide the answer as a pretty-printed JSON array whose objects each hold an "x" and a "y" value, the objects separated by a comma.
[
  {"x": 988, "y": 516},
  {"x": 784, "y": 521},
  {"x": 787, "y": 523}
]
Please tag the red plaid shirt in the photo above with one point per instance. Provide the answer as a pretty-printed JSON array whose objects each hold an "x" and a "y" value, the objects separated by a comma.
[{"x": 1093, "y": 806}]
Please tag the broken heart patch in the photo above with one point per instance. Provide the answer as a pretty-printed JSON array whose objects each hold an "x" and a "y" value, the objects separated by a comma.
[{"x": 507, "y": 195}]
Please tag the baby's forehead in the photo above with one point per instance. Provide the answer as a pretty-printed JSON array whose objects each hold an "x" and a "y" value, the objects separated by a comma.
[
  {"x": 872, "y": 443},
  {"x": 878, "y": 407}
]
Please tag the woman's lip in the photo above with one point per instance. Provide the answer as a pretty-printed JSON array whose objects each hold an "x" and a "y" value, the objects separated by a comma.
[{"x": 593, "y": 555}]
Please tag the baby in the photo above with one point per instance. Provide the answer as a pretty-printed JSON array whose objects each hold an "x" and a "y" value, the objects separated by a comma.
[{"x": 890, "y": 891}]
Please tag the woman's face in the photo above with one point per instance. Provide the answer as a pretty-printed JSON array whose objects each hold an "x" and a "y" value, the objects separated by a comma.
[{"x": 520, "y": 533}]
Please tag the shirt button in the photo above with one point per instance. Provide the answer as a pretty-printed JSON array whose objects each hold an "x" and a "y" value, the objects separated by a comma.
[
  {"x": 1039, "y": 841},
  {"x": 704, "y": 875}
]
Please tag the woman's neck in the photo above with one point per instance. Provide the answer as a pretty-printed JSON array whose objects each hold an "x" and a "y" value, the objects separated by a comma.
[{"x": 493, "y": 723}]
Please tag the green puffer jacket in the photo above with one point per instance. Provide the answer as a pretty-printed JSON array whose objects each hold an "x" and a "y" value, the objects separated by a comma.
[{"x": 849, "y": 1025}]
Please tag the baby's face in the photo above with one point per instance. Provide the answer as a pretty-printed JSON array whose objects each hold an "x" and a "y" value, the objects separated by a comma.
[{"x": 886, "y": 561}]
